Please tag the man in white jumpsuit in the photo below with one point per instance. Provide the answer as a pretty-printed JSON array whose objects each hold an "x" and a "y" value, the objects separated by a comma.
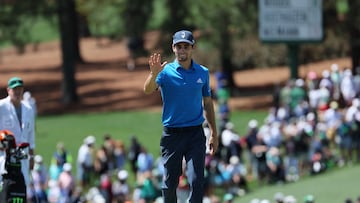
[{"x": 18, "y": 117}]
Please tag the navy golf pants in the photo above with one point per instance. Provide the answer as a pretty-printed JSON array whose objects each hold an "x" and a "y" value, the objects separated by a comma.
[{"x": 176, "y": 144}]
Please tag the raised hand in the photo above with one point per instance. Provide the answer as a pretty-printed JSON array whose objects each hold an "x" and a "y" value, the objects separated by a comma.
[{"x": 155, "y": 63}]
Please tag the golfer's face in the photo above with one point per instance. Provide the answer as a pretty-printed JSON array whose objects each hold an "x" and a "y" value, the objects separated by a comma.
[{"x": 182, "y": 51}]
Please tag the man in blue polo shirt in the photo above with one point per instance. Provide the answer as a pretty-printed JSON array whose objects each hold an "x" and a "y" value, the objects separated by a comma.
[{"x": 186, "y": 96}]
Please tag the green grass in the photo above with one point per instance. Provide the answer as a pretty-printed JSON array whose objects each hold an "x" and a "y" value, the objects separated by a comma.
[
  {"x": 331, "y": 187},
  {"x": 73, "y": 128}
]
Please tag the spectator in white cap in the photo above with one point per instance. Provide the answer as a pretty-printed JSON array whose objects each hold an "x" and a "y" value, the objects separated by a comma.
[
  {"x": 298, "y": 95},
  {"x": 120, "y": 187},
  {"x": 85, "y": 161},
  {"x": 279, "y": 197},
  {"x": 289, "y": 199},
  {"x": 251, "y": 141},
  {"x": 326, "y": 80},
  {"x": 347, "y": 87},
  {"x": 335, "y": 76},
  {"x": 39, "y": 179},
  {"x": 66, "y": 183},
  {"x": 230, "y": 140}
]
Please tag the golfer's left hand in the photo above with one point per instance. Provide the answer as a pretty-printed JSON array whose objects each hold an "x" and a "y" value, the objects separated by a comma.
[{"x": 213, "y": 143}]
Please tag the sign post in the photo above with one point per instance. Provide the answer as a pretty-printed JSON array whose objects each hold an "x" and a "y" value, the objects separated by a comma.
[{"x": 292, "y": 22}]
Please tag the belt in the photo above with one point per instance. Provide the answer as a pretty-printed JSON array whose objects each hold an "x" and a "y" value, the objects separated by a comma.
[{"x": 181, "y": 129}]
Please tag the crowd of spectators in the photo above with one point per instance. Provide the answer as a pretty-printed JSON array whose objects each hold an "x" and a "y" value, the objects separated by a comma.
[{"x": 313, "y": 125}]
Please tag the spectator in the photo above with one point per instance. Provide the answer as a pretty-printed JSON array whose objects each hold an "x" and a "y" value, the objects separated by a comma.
[
  {"x": 134, "y": 151},
  {"x": 347, "y": 87},
  {"x": 289, "y": 199},
  {"x": 148, "y": 190},
  {"x": 348, "y": 200},
  {"x": 238, "y": 184},
  {"x": 66, "y": 184},
  {"x": 145, "y": 162},
  {"x": 17, "y": 116},
  {"x": 228, "y": 198},
  {"x": 61, "y": 155},
  {"x": 85, "y": 161},
  {"x": 230, "y": 141},
  {"x": 28, "y": 98},
  {"x": 251, "y": 140},
  {"x": 119, "y": 154},
  {"x": 275, "y": 165},
  {"x": 101, "y": 162},
  {"x": 259, "y": 150},
  {"x": 39, "y": 180},
  {"x": 121, "y": 188},
  {"x": 53, "y": 193},
  {"x": 105, "y": 187},
  {"x": 335, "y": 76},
  {"x": 279, "y": 197}
]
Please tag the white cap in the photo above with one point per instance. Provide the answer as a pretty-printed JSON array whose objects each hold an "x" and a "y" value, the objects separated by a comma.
[
  {"x": 265, "y": 201},
  {"x": 255, "y": 200},
  {"x": 89, "y": 139},
  {"x": 347, "y": 73},
  {"x": 299, "y": 82},
  {"x": 229, "y": 125},
  {"x": 253, "y": 123},
  {"x": 325, "y": 74},
  {"x": 234, "y": 160},
  {"x": 289, "y": 199},
  {"x": 123, "y": 174},
  {"x": 52, "y": 183},
  {"x": 356, "y": 102},
  {"x": 67, "y": 167},
  {"x": 38, "y": 159},
  {"x": 26, "y": 95},
  {"x": 334, "y": 67},
  {"x": 279, "y": 196}
]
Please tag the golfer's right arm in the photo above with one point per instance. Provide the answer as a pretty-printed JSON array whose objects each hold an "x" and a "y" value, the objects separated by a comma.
[{"x": 150, "y": 84}]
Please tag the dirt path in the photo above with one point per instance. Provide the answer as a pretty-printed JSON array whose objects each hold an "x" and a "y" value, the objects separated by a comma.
[{"x": 104, "y": 83}]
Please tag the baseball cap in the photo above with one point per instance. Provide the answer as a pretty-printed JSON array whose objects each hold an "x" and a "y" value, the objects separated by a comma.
[
  {"x": 122, "y": 175},
  {"x": 279, "y": 196},
  {"x": 309, "y": 199},
  {"x": 67, "y": 167},
  {"x": 89, "y": 140},
  {"x": 15, "y": 82},
  {"x": 183, "y": 36}
]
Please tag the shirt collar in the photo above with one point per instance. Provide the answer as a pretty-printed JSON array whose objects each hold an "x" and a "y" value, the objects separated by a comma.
[{"x": 177, "y": 65}]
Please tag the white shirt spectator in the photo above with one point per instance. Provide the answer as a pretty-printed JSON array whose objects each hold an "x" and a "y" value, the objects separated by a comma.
[
  {"x": 228, "y": 135},
  {"x": 351, "y": 111},
  {"x": 85, "y": 156},
  {"x": 347, "y": 87}
]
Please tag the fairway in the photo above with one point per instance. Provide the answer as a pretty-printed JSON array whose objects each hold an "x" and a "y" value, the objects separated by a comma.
[
  {"x": 331, "y": 187},
  {"x": 73, "y": 128}
]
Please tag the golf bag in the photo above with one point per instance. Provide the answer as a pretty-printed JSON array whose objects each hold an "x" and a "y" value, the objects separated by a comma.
[{"x": 12, "y": 185}]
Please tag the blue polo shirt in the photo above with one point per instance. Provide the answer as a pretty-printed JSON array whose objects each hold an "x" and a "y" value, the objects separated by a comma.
[{"x": 182, "y": 93}]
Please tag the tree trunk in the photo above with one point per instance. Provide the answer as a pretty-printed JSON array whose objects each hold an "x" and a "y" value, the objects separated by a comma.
[
  {"x": 354, "y": 30},
  {"x": 226, "y": 50},
  {"x": 67, "y": 49},
  {"x": 75, "y": 23}
]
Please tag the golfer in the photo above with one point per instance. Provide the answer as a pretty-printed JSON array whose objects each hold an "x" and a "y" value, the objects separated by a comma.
[{"x": 186, "y": 97}]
